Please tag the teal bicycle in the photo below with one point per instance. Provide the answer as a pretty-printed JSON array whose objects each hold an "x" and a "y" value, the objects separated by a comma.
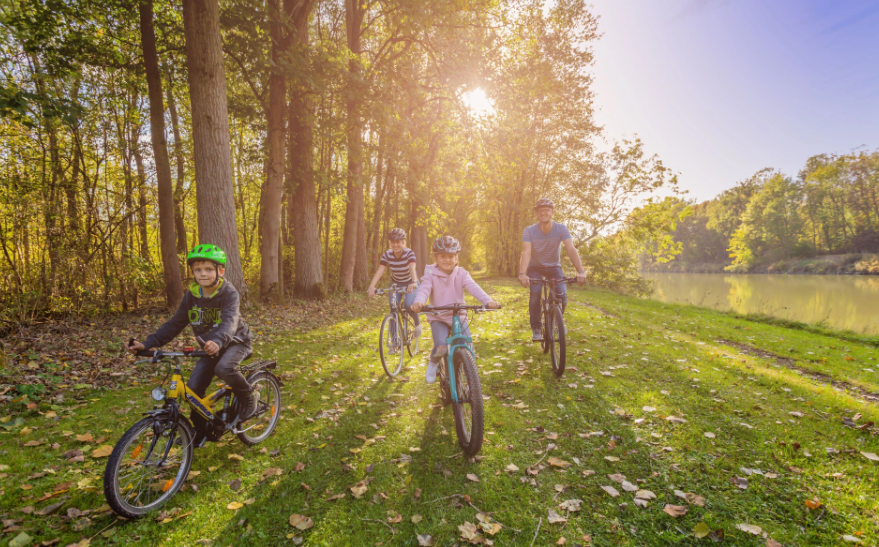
[{"x": 459, "y": 381}]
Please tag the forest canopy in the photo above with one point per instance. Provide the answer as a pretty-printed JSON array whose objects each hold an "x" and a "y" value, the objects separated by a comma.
[{"x": 295, "y": 134}]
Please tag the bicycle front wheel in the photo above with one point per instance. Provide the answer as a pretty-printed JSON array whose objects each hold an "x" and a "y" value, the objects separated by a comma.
[
  {"x": 411, "y": 339},
  {"x": 390, "y": 348},
  {"x": 140, "y": 477},
  {"x": 469, "y": 414},
  {"x": 557, "y": 342}
]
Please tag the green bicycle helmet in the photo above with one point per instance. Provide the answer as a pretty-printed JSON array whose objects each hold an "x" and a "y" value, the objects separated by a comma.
[{"x": 206, "y": 252}]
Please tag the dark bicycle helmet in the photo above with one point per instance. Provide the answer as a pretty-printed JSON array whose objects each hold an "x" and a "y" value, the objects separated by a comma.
[
  {"x": 211, "y": 253},
  {"x": 397, "y": 234},
  {"x": 544, "y": 202},
  {"x": 446, "y": 244}
]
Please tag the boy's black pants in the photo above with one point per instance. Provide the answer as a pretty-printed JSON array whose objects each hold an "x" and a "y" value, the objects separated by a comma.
[{"x": 224, "y": 367}]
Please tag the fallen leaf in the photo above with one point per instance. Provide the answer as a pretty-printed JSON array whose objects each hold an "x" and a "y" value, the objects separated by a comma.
[
  {"x": 645, "y": 495},
  {"x": 557, "y": 462},
  {"x": 271, "y": 472},
  {"x": 629, "y": 487},
  {"x": 750, "y": 528},
  {"x": 472, "y": 477},
  {"x": 235, "y": 506},
  {"x": 675, "y": 420},
  {"x": 425, "y": 540},
  {"x": 572, "y": 505},
  {"x": 301, "y": 522},
  {"x": 617, "y": 477},
  {"x": 675, "y": 510},
  {"x": 21, "y": 540},
  {"x": 470, "y": 532},
  {"x": 511, "y": 468},
  {"x": 870, "y": 456},
  {"x": 556, "y": 518},
  {"x": 359, "y": 489},
  {"x": 236, "y": 457},
  {"x": 416, "y": 519},
  {"x": 701, "y": 530},
  {"x": 772, "y": 543},
  {"x": 710, "y": 435},
  {"x": 299, "y": 467},
  {"x": 611, "y": 490},
  {"x": 235, "y": 485},
  {"x": 813, "y": 503},
  {"x": 102, "y": 451},
  {"x": 87, "y": 438},
  {"x": 850, "y": 539}
]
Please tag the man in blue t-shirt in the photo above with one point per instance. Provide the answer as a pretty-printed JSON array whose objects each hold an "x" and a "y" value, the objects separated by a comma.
[{"x": 542, "y": 259}]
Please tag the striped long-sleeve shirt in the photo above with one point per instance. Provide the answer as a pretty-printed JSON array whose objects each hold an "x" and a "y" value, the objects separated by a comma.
[{"x": 399, "y": 266}]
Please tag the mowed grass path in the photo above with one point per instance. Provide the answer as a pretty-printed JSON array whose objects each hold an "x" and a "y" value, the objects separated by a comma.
[{"x": 650, "y": 394}]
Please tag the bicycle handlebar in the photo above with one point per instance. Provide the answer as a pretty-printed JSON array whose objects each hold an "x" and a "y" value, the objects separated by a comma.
[
  {"x": 552, "y": 281},
  {"x": 457, "y": 307},
  {"x": 392, "y": 289},
  {"x": 157, "y": 355}
]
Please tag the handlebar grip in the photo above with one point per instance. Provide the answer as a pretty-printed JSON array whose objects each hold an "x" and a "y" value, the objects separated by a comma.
[{"x": 145, "y": 352}]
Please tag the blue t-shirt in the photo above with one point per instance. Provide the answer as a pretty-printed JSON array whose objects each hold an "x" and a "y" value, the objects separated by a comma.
[{"x": 546, "y": 249}]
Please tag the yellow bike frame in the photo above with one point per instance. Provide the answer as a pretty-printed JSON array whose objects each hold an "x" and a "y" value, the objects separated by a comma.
[{"x": 204, "y": 406}]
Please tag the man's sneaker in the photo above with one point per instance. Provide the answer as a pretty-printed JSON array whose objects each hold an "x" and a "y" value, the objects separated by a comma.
[
  {"x": 536, "y": 335},
  {"x": 418, "y": 331}
]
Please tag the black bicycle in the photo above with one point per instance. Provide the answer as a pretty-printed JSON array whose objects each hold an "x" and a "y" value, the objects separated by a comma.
[
  {"x": 397, "y": 331},
  {"x": 552, "y": 323}
]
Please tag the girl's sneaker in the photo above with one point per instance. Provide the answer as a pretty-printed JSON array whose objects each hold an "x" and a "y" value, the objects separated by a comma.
[{"x": 434, "y": 363}]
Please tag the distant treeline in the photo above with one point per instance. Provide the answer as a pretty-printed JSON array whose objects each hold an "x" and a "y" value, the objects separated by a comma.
[{"x": 766, "y": 222}]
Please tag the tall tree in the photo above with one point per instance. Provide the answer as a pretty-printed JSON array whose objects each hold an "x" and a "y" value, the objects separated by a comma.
[
  {"x": 354, "y": 12},
  {"x": 308, "y": 277},
  {"x": 167, "y": 229},
  {"x": 210, "y": 133},
  {"x": 272, "y": 189}
]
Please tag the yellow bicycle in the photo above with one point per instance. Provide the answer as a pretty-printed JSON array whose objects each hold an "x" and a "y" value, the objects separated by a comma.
[{"x": 151, "y": 461}]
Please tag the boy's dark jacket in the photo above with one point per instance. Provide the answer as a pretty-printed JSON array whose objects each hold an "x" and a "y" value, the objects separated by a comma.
[{"x": 212, "y": 318}]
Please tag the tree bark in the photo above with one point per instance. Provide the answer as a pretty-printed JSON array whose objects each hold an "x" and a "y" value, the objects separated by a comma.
[
  {"x": 354, "y": 13},
  {"x": 141, "y": 193},
  {"x": 210, "y": 133},
  {"x": 167, "y": 229},
  {"x": 270, "y": 199},
  {"x": 178, "y": 155}
]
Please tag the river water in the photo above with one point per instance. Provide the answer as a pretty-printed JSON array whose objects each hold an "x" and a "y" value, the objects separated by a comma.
[{"x": 841, "y": 301}]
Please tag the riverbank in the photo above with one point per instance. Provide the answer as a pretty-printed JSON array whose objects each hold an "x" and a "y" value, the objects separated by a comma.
[
  {"x": 671, "y": 423},
  {"x": 844, "y": 264}
]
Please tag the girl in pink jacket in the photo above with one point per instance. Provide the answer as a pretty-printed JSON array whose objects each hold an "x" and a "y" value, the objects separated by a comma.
[{"x": 444, "y": 283}]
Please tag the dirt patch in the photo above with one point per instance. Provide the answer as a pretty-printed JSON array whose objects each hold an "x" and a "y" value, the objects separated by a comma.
[
  {"x": 600, "y": 310},
  {"x": 788, "y": 363}
]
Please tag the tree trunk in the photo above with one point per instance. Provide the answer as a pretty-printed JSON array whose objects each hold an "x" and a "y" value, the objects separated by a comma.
[
  {"x": 141, "y": 193},
  {"x": 270, "y": 199},
  {"x": 210, "y": 133},
  {"x": 354, "y": 13},
  {"x": 418, "y": 237},
  {"x": 167, "y": 229},
  {"x": 308, "y": 277},
  {"x": 178, "y": 154}
]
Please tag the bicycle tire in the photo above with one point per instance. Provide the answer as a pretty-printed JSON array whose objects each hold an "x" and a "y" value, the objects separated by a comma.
[
  {"x": 411, "y": 340},
  {"x": 469, "y": 388},
  {"x": 546, "y": 328},
  {"x": 385, "y": 332},
  {"x": 558, "y": 342},
  {"x": 113, "y": 490},
  {"x": 265, "y": 424}
]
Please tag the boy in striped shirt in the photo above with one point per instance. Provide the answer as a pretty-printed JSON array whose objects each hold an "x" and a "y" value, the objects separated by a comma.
[{"x": 401, "y": 261}]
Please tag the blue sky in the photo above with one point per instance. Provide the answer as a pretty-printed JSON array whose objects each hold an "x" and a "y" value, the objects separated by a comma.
[{"x": 720, "y": 89}]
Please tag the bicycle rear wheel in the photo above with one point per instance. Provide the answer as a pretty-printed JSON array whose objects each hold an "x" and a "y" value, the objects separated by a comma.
[
  {"x": 469, "y": 413},
  {"x": 268, "y": 406},
  {"x": 390, "y": 347},
  {"x": 558, "y": 345}
]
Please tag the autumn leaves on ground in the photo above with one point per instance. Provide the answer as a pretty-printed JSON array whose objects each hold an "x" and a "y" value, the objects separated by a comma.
[{"x": 672, "y": 425}]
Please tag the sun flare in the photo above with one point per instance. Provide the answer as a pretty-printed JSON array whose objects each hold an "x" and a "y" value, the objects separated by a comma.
[{"x": 478, "y": 102}]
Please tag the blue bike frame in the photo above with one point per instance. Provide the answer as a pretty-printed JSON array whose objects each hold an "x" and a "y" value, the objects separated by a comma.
[{"x": 457, "y": 339}]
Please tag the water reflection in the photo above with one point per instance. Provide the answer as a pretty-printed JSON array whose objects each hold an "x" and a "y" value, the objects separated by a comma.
[{"x": 843, "y": 302}]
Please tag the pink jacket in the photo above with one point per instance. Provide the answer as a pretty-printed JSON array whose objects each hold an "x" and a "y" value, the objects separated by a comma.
[{"x": 443, "y": 289}]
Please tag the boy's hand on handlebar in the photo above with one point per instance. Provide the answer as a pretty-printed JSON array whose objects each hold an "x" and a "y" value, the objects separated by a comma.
[
  {"x": 524, "y": 280},
  {"x": 135, "y": 346},
  {"x": 370, "y": 291},
  {"x": 492, "y": 305},
  {"x": 581, "y": 279},
  {"x": 416, "y": 307},
  {"x": 211, "y": 348}
]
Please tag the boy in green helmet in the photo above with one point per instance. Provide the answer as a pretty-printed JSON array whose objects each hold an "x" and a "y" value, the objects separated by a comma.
[{"x": 210, "y": 307}]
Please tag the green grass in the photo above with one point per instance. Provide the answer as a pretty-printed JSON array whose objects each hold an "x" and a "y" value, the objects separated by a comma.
[{"x": 627, "y": 354}]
